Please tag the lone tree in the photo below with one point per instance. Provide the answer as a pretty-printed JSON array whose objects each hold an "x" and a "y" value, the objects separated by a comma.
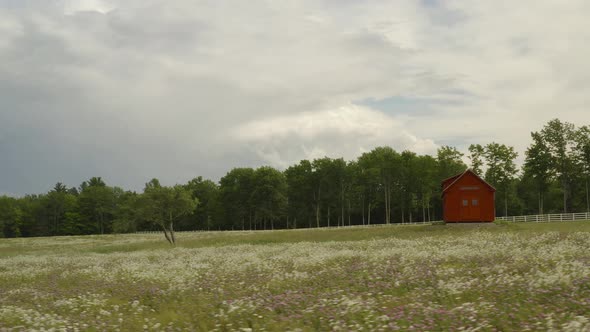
[{"x": 164, "y": 205}]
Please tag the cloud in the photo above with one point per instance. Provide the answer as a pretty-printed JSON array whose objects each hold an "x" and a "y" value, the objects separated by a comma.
[
  {"x": 72, "y": 7},
  {"x": 347, "y": 131},
  {"x": 135, "y": 89}
]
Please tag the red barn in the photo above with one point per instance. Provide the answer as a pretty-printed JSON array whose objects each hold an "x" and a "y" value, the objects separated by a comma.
[{"x": 468, "y": 198}]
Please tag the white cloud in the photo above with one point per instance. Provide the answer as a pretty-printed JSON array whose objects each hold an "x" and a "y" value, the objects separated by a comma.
[
  {"x": 347, "y": 131},
  {"x": 72, "y": 7},
  {"x": 135, "y": 89}
]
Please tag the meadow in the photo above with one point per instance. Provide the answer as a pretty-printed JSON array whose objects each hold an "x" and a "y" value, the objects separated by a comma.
[{"x": 501, "y": 277}]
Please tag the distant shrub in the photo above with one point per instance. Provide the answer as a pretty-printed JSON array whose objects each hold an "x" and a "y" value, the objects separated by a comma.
[
  {"x": 501, "y": 222},
  {"x": 438, "y": 223}
]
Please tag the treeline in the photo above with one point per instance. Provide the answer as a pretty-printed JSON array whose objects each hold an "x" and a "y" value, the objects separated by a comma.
[{"x": 381, "y": 186}]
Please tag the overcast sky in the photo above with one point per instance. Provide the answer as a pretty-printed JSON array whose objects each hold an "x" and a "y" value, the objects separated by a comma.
[{"x": 135, "y": 89}]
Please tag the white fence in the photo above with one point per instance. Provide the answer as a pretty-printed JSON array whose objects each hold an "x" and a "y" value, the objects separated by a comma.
[
  {"x": 530, "y": 218},
  {"x": 548, "y": 217}
]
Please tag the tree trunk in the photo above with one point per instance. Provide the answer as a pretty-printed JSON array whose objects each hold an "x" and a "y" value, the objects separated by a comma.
[
  {"x": 386, "y": 205},
  {"x": 505, "y": 203},
  {"x": 587, "y": 199},
  {"x": 369, "y": 217},
  {"x": 172, "y": 236},
  {"x": 564, "y": 197},
  {"x": 317, "y": 209},
  {"x": 342, "y": 203},
  {"x": 349, "y": 208},
  {"x": 328, "y": 215},
  {"x": 363, "y": 208},
  {"x": 403, "y": 214},
  {"x": 166, "y": 233},
  {"x": 389, "y": 204}
]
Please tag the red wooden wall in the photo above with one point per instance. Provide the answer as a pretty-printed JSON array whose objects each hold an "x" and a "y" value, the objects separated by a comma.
[{"x": 468, "y": 198}]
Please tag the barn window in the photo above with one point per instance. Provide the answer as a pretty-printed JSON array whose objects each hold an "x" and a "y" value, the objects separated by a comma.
[
  {"x": 474, "y": 202},
  {"x": 465, "y": 202}
]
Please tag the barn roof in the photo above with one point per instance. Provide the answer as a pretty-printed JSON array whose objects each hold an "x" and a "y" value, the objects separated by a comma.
[{"x": 458, "y": 177}]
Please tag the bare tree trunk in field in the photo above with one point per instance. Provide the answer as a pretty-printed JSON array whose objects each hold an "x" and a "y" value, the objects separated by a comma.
[
  {"x": 328, "y": 215},
  {"x": 172, "y": 236},
  {"x": 369, "y": 217},
  {"x": 166, "y": 233},
  {"x": 587, "y": 199}
]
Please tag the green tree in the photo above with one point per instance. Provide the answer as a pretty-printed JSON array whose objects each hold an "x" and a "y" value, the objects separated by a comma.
[
  {"x": 538, "y": 165},
  {"x": 126, "y": 216},
  {"x": 269, "y": 195},
  {"x": 10, "y": 217},
  {"x": 476, "y": 155},
  {"x": 450, "y": 163},
  {"x": 382, "y": 166},
  {"x": 207, "y": 193},
  {"x": 582, "y": 157},
  {"x": 59, "y": 203},
  {"x": 235, "y": 206},
  {"x": 559, "y": 138},
  {"x": 164, "y": 205},
  {"x": 96, "y": 205},
  {"x": 300, "y": 192},
  {"x": 501, "y": 169},
  {"x": 327, "y": 174},
  {"x": 426, "y": 183}
]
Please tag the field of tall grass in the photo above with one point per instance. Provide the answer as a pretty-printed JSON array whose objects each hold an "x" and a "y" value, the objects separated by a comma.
[{"x": 501, "y": 277}]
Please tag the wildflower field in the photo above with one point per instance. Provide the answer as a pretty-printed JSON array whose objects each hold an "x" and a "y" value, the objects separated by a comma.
[{"x": 503, "y": 277}]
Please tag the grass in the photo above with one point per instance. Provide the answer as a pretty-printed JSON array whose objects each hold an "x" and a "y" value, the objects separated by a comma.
[{"x": 504, "y": 276}]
